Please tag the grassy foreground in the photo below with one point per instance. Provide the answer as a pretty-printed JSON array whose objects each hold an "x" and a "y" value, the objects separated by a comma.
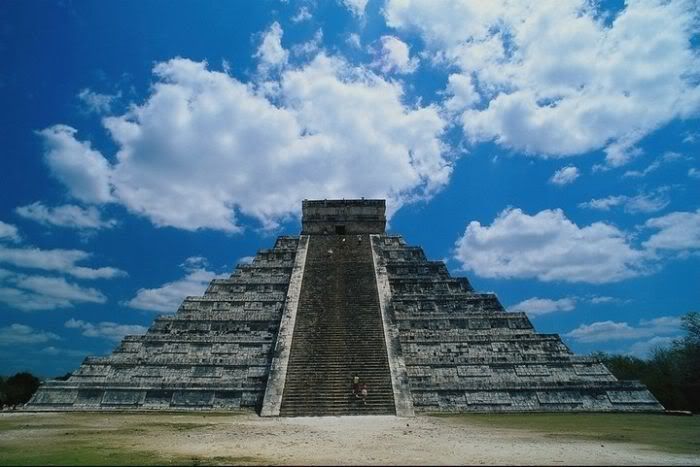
[
  {"x": 101, "y": 439},
  {"x": 676, "y": 434},
  {"x": 149, "y": 439}
]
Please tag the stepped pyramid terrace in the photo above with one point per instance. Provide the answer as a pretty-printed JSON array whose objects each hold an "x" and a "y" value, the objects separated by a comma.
[{"x": 285, "y": 334}]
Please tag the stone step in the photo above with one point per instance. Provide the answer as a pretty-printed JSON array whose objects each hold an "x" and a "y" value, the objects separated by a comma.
[
  {"x": 300, "y": 379},
  {"x": 339, "y": 372},
  {"x": 337, "y": 326},
  {"x": 362, "y": 341},
  {"x": 320, "y": 410},
  {"x": 303, "y": 381},
  {"x": 338, "y": 402},
  {"x": 355, "y": 365},
  {"x": 338, "y": 333},
  {"x": 329, "y": 399},
  {"x": 339, "y": 394},
  {"x": 358, "y": 409},
  {"x": 340, "y": 382},
  {"x": 345, "y": 403},
  {"x": 334, "y": 367},
  {"x": 343, "y": 398},
  {"x": 345, "y": 368},
  {"x": 342, "y": 354},
  {"x": 337, "y": 336},
  {"x": 371, "y": 380},
  {"x": 337, "y": 413}
]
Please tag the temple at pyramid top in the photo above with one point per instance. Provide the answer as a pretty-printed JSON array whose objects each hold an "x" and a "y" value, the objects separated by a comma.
[
  {"x": 343, "y": 319},
  {"x": 352, "y": 216}
]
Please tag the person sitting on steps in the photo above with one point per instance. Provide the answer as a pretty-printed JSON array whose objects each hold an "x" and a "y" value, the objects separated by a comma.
[{"x": 356, "y": 386}]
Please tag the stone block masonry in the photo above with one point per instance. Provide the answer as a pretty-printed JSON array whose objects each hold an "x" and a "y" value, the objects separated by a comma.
[
  {"x": 213, "y": 354},
  {"x": 280, "y": 360},
  {"x": 285, "y": 334},
  {"x": 464, "y": 353}
]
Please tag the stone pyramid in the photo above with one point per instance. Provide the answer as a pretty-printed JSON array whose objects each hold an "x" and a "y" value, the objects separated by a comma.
[{"x": 286, "y": 334}]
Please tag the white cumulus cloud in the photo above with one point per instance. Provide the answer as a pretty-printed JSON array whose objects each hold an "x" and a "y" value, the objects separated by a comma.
[
  {"x": 31, "y": 292},
  {"x": 675, "y": 231},
  {"x": 565, "y": 175},
  {"x": 603, "y": 331},
  {"x": 302, "y": 15},
  {"x": 8, "y": 232},
  {"x": 462, "y": 92},
  {"x": 80, "y": 168},
  {"x": 666, "y": 158},
  {"x": 68, "y": 215},
  {"x": 549, "y": 247},
  {"x": 105, "y": 329},
  {"x": 357, "y": 7},
  {"x": 644, "y": 347},
  {"x": 557, "y": 78},
  {"x": 204, "y": 146},
  {"x": 604, "y": 204},
  {"x": 353, "y": 40},
  {"x": 536, "y": 306},
  {"x": 395, "y": 56},
  {"x": 641, "y": 203},
  {"x": 20, "y": 334},
  {"x": 96, "y": 102},
  {"x": 59, "y": 260},
  {"x": 168, "y": 297},
  {"x": 270, "y": 52},
  {"x": 598, "y": 299},
  {"x": 310, "y": 47}
]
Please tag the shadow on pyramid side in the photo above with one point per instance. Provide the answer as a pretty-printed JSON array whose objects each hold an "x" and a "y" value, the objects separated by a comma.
[{"x": 287, "y": 334}]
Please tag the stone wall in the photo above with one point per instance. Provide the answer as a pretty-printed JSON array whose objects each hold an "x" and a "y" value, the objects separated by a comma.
[
  {"x": 464, "y": 353},
  {"x": 214, "y": 352},
  {"x": 365, "y": 216}
]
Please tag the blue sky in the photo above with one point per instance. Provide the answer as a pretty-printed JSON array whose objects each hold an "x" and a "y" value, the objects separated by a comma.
[{"x": 548, "y": 151}]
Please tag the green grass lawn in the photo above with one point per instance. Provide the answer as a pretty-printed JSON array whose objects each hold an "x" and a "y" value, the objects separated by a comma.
[
  {"x": 128, "y": 439},
  {"x": 99, "y": 439},
  {"x": 75, "y": 451},
  {"x": 676, "y": 434}
]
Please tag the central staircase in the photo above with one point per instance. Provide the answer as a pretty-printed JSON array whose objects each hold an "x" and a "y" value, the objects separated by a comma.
[{"x": 338, "y": 333}]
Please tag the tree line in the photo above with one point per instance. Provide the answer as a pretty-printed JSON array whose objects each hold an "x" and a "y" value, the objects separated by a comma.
[
  {"x": 671, "y": 373},
  {"x": 18, "y": 389}
]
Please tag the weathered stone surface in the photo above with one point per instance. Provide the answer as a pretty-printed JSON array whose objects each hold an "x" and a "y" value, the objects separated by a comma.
[
  {"x": 464, "y": 353},
  {"x": 215, "y": 352},
  {"x": 338, "y": 333},
  {"x": 428, "y": 340},
  {"x": 342, "y": 217},
  {"x": 272, "y": 401}
]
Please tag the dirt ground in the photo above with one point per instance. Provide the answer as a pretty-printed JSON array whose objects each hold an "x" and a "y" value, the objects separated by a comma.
[{"x": 247, "y": 438}]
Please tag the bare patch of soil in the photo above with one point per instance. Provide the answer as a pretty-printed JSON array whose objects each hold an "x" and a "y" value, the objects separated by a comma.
[{"x": 247, "y": 438}]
